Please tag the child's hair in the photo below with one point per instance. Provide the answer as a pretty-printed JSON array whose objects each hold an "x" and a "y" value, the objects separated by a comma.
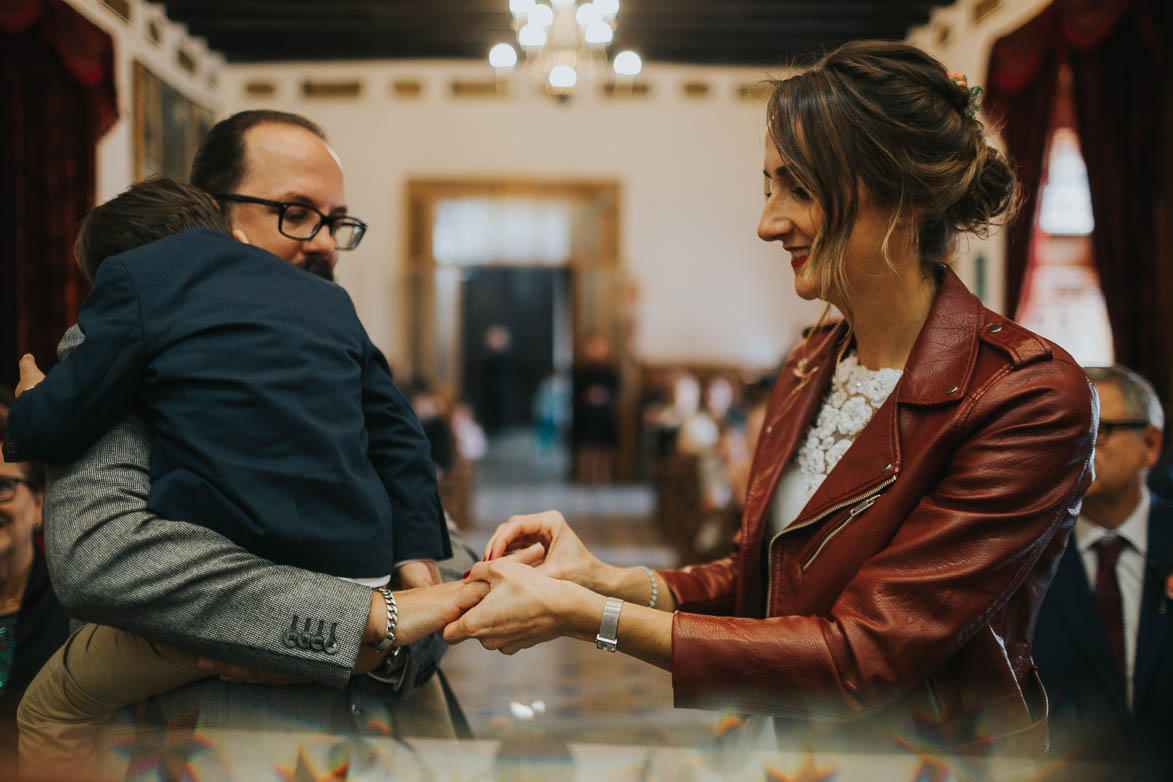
[{"x": 149, "y": 210}]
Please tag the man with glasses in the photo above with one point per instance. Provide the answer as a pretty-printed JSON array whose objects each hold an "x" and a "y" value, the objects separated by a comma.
[
  {"x": 1104, "y": 639},
  {"x": 168, "y": 580}
]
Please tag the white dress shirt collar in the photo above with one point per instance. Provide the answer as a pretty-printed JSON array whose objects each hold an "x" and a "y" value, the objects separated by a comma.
[{"x": 1134, "y": 530}]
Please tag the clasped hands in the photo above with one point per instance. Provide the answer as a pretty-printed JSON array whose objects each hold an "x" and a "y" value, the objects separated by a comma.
[
  {"x": 540, "y": 579},
  {"x": 520, "y": 595}
]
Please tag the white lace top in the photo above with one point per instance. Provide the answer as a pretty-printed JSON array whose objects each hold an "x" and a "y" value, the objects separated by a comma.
[{"x": 853, "y": 398}]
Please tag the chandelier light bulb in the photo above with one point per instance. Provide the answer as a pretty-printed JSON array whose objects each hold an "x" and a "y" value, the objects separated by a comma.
[
  {"x": 520, "y": 8},
  {"x": 531, "y": 35},
  {"x": 563, "y": 77},
  {"x": 587, "y": 14},
  {"x": 627, "y": 63},
  {"x": 607, "y": 7},
  {"x": 541, "y": 15},
  {"x": 598, "y": 33},
  {"x": 502, "y": 56}
]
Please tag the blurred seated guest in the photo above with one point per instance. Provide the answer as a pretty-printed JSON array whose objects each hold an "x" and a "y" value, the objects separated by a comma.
[
  {"x": 32, "y": 623},
  {"x": 1104, "y": 640},
  {"x": 720, "y": 401},
  {"x": 471, "y": 442},
  {"x": 429, "y": 409},
  {"x": 596, "y": 389},
  {"x": 657, "y": 436},
  {"x": 739, "y": 442},
  {"x": 457, "y": 486}
]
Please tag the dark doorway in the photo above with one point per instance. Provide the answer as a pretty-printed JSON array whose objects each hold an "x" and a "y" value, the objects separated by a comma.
[{"x": 516, "y": 332}]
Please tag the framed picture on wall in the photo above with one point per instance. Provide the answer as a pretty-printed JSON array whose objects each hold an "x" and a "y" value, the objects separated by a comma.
[{"x": 168, "y": 127}]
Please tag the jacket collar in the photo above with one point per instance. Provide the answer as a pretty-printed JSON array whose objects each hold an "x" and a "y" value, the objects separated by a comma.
[{"x": 941, "y": 364}]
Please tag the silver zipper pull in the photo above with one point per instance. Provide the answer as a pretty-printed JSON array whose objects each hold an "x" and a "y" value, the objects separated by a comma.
[{"x": 861, "y": 507}]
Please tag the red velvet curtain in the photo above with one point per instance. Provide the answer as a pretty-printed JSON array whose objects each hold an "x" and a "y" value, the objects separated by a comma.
[
  {"x": 1116, "y": 52},
  {"x": 1119, "y": 98},
  {"x": 59, "y": 98}
]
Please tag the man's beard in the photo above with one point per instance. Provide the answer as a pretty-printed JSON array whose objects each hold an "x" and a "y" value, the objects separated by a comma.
[{"x": 319, "y": 267}]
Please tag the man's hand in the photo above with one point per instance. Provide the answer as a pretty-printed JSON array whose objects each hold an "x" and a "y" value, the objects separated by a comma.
[{"x": 30, "y": 374}]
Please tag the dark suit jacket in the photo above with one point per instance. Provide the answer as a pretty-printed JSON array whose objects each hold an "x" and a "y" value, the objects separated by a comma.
[
  {"x": 274, "y": 419},
  {"x": 1089, "y": 715}
]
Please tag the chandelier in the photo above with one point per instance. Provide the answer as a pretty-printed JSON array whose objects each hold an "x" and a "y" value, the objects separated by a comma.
[{"x": 564, "y": 43}]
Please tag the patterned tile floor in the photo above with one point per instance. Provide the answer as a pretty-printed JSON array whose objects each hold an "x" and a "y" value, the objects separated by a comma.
[{"x": 568, "y": 687}]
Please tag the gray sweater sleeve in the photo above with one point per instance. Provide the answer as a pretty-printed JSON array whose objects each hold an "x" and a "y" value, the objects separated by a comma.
[{"x": 112, "y": 561}]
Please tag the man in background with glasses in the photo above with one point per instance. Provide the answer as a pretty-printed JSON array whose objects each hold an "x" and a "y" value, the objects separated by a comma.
[
  {"x": 1104, "y": 639},
  {"x": 114, "y": 562}
]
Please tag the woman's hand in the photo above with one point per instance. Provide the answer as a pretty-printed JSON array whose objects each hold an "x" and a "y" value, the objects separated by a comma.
[
  {"x": 524, "y": 607},
  {"x": 566, "y": 556}
]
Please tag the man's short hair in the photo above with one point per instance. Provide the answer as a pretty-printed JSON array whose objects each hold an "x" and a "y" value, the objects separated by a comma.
[
  {"x": 220, "y": 165},
  {"x": 145, "y": 212},
  {"x": 1140, "y": 398}
]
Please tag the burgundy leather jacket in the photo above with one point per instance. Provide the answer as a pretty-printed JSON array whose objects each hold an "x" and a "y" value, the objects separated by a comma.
[{"x": 906, "y": 590}]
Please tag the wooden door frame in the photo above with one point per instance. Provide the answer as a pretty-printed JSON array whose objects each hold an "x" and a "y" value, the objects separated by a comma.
[{"x": 417, "y": 316}]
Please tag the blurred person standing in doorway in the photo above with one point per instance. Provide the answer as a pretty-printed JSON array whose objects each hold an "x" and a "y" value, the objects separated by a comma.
[{"x": 596, "y": 389}]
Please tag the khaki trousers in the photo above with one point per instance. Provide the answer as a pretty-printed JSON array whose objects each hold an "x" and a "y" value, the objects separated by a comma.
[{"x": 97, "y": 671}]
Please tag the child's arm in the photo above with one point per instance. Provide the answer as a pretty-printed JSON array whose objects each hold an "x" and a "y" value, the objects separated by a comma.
[
  {"x": 418, "y": 573},
  {"x": 401, "y": 455},
  {"x": 56, "y": 420}
]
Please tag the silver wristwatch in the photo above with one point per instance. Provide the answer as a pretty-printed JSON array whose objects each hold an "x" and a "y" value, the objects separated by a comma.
[{"x": 608, "y": 637}]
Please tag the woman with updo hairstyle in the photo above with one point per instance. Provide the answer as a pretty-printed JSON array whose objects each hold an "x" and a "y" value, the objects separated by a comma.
[{"x": 917, "y": 475}]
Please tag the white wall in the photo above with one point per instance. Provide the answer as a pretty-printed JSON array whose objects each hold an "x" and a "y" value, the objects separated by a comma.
[
  {"x": 691, "y": 191},
  {"x": 711, "y": 291},
  {"x": 966, "y": 49},
  {"x": 115, "y": 165}
]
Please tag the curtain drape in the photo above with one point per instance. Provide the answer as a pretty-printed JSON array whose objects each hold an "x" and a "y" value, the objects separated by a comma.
[
  {"x": 59, "y": 99},
  {"x": 1116, "y": 52}
]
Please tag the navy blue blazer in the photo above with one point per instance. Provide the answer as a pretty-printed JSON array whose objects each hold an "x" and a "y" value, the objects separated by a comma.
[
  {"x": 1089, "y": 714},
  {"x": 274, "y": 419}
]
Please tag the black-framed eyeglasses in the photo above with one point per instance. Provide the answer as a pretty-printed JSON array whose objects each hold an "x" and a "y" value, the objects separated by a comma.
[
  {"x": 8, "y": 487},
  {"x": 302, "y": 222},
  {"x": 1108, "y": 427}
]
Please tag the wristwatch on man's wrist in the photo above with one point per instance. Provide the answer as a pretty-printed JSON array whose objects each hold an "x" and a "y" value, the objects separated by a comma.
[{"x": 608, "y": 637}]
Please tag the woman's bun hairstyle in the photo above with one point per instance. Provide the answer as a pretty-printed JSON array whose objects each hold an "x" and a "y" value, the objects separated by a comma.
[{"x": 888, "y": 117}]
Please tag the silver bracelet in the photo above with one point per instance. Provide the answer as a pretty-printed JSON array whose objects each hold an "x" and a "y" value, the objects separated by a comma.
[
  {"x": 652, "y": 581},
  {"x": 392, "y": 620}
]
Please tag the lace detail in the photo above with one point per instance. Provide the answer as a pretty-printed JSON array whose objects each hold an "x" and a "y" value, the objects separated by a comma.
[{"x": 855, "y": 394}]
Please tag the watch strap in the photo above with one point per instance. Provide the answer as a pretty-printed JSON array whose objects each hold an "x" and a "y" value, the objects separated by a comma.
[{"x": 608, "y": 637}]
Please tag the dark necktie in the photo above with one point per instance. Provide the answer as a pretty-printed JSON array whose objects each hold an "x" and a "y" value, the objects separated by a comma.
[{"x": 1107, "y": 594}]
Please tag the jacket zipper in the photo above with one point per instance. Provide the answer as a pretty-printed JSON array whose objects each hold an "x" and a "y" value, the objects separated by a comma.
[
  {"x": 858, "y": 509},
  {"x": 933, "y": 698},
  {"x": 833, "y": 509}
]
